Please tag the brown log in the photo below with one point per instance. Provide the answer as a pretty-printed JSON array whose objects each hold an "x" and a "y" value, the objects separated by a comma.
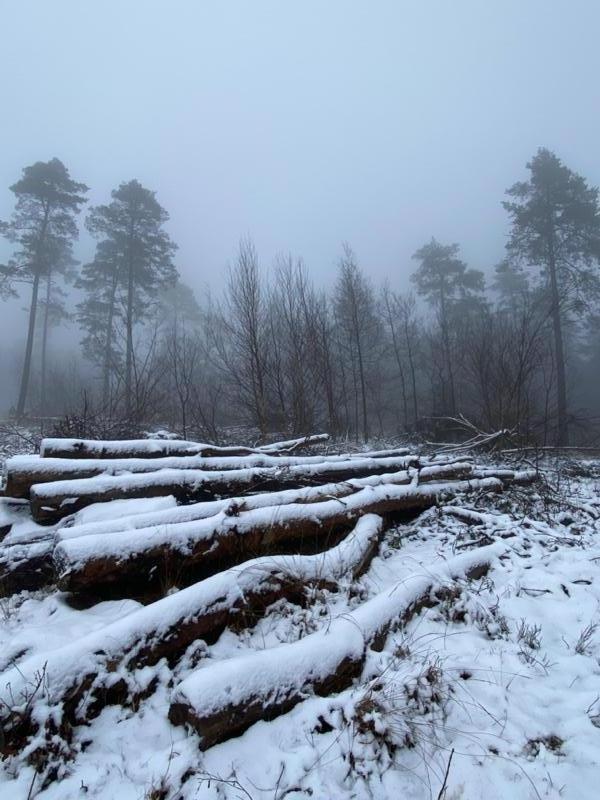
[
  {"x": 27, "y": 566},
  {"x": 160, "y": 448},
  {"x": 123, "y": 563},
  {"x": 52, "y": 501},
  {"x": 23, "y": 472},
  {"x": 166, "y": 628},
  {"x": 224, "y": 699},
  {"x": 235, "y": 505}
]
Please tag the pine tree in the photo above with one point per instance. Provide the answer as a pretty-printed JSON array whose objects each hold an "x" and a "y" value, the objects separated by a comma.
[
  {"x": 511, "y": 284},
  {"x": 100, "y": 313},
  {"x": 556, "y": 228},
  {"x": 43, "y": 226},
  {"x": 131, "y": 230},
  {"x": 452, "y": 289}
]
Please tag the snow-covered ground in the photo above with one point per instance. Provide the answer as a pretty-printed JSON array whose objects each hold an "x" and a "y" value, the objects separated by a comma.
[{"x": 493, "y": 692}]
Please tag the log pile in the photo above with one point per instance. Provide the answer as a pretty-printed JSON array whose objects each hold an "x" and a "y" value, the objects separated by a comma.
[{"x": 234, "y": 530}]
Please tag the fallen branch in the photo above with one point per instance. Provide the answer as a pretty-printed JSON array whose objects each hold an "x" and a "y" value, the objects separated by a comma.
[{"x": 478, "y": 439}]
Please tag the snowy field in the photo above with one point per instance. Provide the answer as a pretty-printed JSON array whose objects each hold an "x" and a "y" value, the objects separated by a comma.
[{"x": 491, "y": 690}]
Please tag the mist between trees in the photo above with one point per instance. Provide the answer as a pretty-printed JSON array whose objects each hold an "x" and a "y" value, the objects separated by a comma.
[{"x": 275, "y": 353}]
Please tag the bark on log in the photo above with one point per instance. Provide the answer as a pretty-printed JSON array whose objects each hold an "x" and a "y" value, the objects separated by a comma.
[
  {"x": 27, "y": 566},
  {"x": 52, "y": 501},
  {"x": 224, "y": 699},
  {"x": 121, "y": 564},
  {"x": 166, "y": 628},
  {"x": 160, "y": 448},
  {"x": 22, "y": 472},
  {"x": 235, "y": 505}
]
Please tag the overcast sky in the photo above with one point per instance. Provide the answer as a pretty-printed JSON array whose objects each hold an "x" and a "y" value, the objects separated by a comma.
[{"x": 303, "y": 124}]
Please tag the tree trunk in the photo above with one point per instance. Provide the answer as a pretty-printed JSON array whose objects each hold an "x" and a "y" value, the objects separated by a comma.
[
  {"x": 412, "y": 374},
  {"x": 108, "y": 360},
  {"x": 129, "y": 345},
  {"x": 561, "y": 379},
  {"x": 56, "y": 499},
  {"x": 29, "y": 347},
  {"x": 363, "y": 388},
  {"x": 272, "y": 686},
  {"x": 44, "y": 346},
  {"x": 32, "y": 315},
  {"x": 121, "y": 566},
  {"x": 446, "y": 340},
  {"x": 398, "y": 358}
]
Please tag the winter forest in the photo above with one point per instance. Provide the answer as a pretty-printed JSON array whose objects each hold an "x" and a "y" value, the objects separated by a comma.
[
  {"x": 299, "y": 400},
  {"x": 513, "y": 347}
]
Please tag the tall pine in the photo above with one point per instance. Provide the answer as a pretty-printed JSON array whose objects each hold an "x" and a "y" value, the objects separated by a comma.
[
  {"x": 451, "y": 288},
  {"x": 556, "y": 228},
  {"x": 43, "y": 227},
  {"x": 135, "y": 256}
]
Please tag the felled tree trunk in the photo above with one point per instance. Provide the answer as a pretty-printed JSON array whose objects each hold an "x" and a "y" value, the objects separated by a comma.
[
  {"x": 218, "y": 704},
  {"x": 161, "y": 448},
  {"x": 232, "y": 506},
  {"x": 102, "y": 562},
  {"x": 29, "y": 565},
  {"x": 26, "y": 566},
  {"x": 77, "y": 676},
  {"x": 23, "y": 472},
  {"x": 54, "y": 500}
]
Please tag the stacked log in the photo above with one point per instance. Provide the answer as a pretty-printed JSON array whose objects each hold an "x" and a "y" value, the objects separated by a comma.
[
  {"x": 25, "y": 471},
  {"x": 124, "y": 564},
  {"x": 161, "y": 448},
  {"x": 219, "y": 704},
  {"x": 81, "y": 674},
  {"x": 237, "y": 529}
]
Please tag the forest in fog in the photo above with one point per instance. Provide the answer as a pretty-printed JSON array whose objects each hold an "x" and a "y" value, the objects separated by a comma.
[{"x": 513, "y": 347}]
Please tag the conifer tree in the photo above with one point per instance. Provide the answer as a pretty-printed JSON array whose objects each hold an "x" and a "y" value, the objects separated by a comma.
[
  {"x": 135, "y": 256},
  {"x": 449, "y": 286},
  {"x": 556, "y": 228},
  {"x": 43, "y": 227}
]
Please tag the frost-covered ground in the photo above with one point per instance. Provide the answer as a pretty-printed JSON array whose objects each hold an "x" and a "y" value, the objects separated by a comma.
[{"x": 492, "y": 693}]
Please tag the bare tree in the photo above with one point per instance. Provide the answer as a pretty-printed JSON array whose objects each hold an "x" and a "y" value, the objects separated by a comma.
[
  {"x": 241, "y": 337},
  {"x": 358, "y": 328}
]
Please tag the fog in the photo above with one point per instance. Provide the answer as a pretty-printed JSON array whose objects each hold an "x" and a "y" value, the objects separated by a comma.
[
  {"x": 305, "y": 124},
  {"x": 301, "y": 125}
]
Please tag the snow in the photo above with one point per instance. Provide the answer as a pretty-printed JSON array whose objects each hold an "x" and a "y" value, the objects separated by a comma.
[
  {"x": 119, "y": 509},
  {"x": 78, "y": 524},
  {"x": 196, "y": 478},
  {"x": 161, "y": 445},
  {"x": 122, "y": 445},
  {"x": 292, "y": 668},
  {"x": 49, "y": 468},
  {"x": 187, "y": 537},
  {"x": 519, "y": 709}
]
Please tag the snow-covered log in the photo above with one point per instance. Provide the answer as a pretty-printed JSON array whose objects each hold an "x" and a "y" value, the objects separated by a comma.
[
  {"x": 56, "y": 499},
  {"x": 115, "y": 519},
  {"x": 122, "y": 563},
  {"x": 222, "y": 700},
  {"x": 22, "y": 472},
  {"x": 81, "y": 676},
  {"x": 159, "y": 448},
  {"x": 26, "y": 565},
  {"x": 30, "y": 566},
  {"x": 290, "y": 445}
]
